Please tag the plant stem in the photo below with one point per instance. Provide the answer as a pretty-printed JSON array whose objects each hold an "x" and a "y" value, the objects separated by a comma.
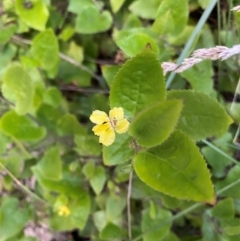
[{"x": 129, "y": 205}]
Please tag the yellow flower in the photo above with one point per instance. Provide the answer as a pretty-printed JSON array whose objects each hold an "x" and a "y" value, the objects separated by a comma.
[
  {"x": 63, "y": 211},
  {"x": 105, "y": 125}
]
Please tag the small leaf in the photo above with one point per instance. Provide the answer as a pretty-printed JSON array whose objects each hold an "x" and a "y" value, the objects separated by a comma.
[
  {"x": 154, "y": 125},
  {"x": 35, "y": 16},
  {"x": 45, "y": 49},
  {"x": 202, "y": 116},
  {"x": 88, "y": 169},
  {"x": 224, "y": 209},
  {"x": 6, "y": 33},
  {"x": 51, "y": 165},
  {"x": 111, "y": 232},
  {"x": 177, "y": 12},
  {"x": 52, "y": 96},
  {"x": 143, "y": 10},
  {"x": 21, "y": 127},
  {"x": 133, "y": 41},
  {"x": 17, "y": 82},
  {"x": 119, "y": 151},
  {"x": 148, "y": 222},
  {"x": 91, "y": 21},
  {"x": 116, "y": 5},
  {"x": 138, "y": 84},
  {"x": 98, "y": 180},
  {"x": 12, "y": 218},
  {"x": 109, "y": 72},
  {"x": 177, "y": 169}
]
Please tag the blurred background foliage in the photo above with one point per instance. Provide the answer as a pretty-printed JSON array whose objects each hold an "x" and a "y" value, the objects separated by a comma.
[{"x": 57, "y": 62}]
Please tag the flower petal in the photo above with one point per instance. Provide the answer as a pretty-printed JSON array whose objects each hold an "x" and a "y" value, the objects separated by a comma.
[
  {"x": 107, "y": 137},
  {"x": 99, "y": 129},
  {"x": 122, "y": 126},
  {"x": 99, "y": 117},
  {"x": 116, "y": 113}
]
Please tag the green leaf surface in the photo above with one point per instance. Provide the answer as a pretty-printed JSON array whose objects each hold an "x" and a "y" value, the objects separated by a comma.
[
  {"x": 148, "y": 222},
  {"x": 224, "y": 209},
  {"x": 98, "y": 179},
  {"x": 17, "y": 82},
  {"x": 45, "y": 49},
  {"x": 88, "y": 169},
  {"x": 51, "y": 164},
  {"x": 111, "y": 232},
  {"x": 174, "y": 11},
  {"x": 154, "y": 125},
  {"x": 232, "y": 176},
  {"x": 21, "y": 127},
  {"x": 116, "y": 5},
  {"x": 109, "y": 72},
  {"x": 12, "y": 218},
  {"x": 6, "y": 33},
  {"x": 208, "y": 232},
  {"x": 200, "y": 77},
  {"x": 76, "y": 6},
  {"x": 52, "y": 96},
  {"x": 115, "y": 206},
  {"x": 133, "y": 41},
  {"x": 35, "y": 16},
  {"x": 217, "y": 161},
  {"x": 119, "y": 151},
  {"x": 91, "y": 21},
  {"x": 143, "y": 10},
  {"x": 177, "y": 169},
  {"x": 138, "y": 84},
  {"x": 202, "y": 116}
]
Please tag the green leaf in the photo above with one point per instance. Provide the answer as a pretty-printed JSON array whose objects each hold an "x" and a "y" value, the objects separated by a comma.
[
  {"x": 224, "y": 209},
  {"x": 45, "y": 49},
  {"x": 232, "y": 227},
  {"x": 88, "y": 169},
  {"x": 217, "y": 161},
  {"x": 143, "y": 10},
  {"x": 17, "y": 82},
  {"x": 148, "y": 222},
  {"x": 119, "y": 151},
  {"x": 52, "y": 96},
  {"x": 171, "y": 237},
  {"x": 200, "y": 77},
  {"x": 138, "y": 84},
  {"x": 114, "y": 207},
  {"x": 109, "y": 72},
  {"x": 91, "y": 21},
  {"x": 12, "y": 218},
  {"x": 202, "y": 116},
  {"x": 133, "y": 41},
  {"x": 98, "y": 180},
  {"x": 116, "y": 5},
  {"x": 51, "y": 165},
  {"x": 69, "y": 125},
  {"x": 154, "y": 125},
  {"x": 76, "y": 6},
  {"x": 35, "y": 16},
  {"x": 203, "y": 3},
  {"x": 6, "y": 33},
  {"x": 110, "y": 232},
  {"x": 76, "y": 52},
  {"x": 177, "y": 169},
  {"x": 208, "y": 232},
  {"x": 174, "y": 11},
  {"x": 233, "y": 176},
  {"x": 21, "y": 127}
]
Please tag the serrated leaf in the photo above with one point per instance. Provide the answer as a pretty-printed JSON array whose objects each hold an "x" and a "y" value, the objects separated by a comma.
[
  {"x": 91, "y": 21},
  {"x": 148, "y": 222},
  {"x": 143, "y": 10},
  {"x": 45, "y": 49},
  {"x": 21, "y": 127},
  {"x": 119, "y": 151},
  {"x": 154, "y": 125},
  {"x": 138, "y": 84},
  {"x": 133, "y": 41},
  {"x": 35, "y": 16},
  {"x": 177, "y": 169},
  {"x": 176, "y": 11},
  {"x": 202, "y": 116},
  {"x": 12, "y": 218},
  {"x": 19, "y": 84},
  {"x": 51, "y": 165}
]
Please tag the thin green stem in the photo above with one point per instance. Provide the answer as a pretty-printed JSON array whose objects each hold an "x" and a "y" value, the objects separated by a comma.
[
  {"x": 192, "y": 38},
  {"x": 25, "y": 189},
  {"x": 184, "y": 212}
]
